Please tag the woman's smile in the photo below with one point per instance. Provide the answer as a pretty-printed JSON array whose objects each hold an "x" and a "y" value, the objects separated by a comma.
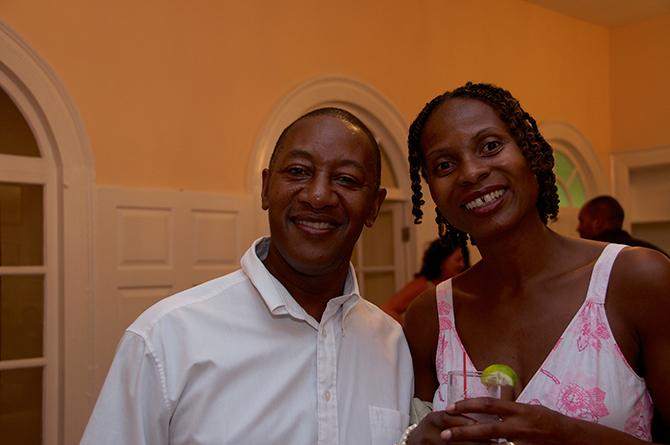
[{"x": 485, "y": 200}]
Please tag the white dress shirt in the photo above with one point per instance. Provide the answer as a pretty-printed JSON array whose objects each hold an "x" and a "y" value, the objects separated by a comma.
[{"x": 237, "y": 360}]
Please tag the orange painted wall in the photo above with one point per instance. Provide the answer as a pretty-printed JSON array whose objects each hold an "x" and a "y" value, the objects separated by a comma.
[
  {"x": 174, "y": 93},
  {"x": 640, "y": 82}
]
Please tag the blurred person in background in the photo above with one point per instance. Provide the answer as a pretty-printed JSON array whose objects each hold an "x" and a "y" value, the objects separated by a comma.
[
  {"x": 601, "y": 219},
  {"x": 439, "y": 263}
]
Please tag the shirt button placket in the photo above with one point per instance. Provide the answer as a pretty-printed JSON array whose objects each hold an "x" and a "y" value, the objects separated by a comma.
[{"x": 326, "y": 383}]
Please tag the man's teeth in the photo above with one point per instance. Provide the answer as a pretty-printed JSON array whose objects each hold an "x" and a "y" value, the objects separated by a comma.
[
  {"x": 318, "y": 225},
  {"x": 484, "y": 200}
]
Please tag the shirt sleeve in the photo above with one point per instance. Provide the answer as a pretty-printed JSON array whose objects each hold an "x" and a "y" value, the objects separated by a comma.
[{"x": 132, "y": 407}]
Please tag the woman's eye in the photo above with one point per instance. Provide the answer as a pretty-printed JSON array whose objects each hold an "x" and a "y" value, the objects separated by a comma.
[
  {"x": 492, "y": 146},
  {"x": 443, "y": 166}
]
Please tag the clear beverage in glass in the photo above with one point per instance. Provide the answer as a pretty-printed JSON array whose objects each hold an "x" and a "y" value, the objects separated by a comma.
[{"x": 468, "y": 385}]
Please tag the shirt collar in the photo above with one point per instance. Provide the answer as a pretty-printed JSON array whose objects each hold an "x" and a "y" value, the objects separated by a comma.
[{"x": 279, "y": 301}]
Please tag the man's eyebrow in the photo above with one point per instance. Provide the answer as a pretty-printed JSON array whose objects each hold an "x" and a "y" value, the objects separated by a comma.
[
  {"x": 298, "y": 153},
  {"x": 353, "y": 163}
]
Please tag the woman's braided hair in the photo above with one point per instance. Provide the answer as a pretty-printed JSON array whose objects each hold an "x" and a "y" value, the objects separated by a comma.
[{"x": 523, "y": 129}]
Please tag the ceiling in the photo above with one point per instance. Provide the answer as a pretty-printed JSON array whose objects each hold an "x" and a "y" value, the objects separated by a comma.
[{"x": 607, "y": 13}]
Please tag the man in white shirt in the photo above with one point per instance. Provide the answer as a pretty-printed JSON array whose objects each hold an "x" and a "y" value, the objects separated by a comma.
[{"x": 284, "y": 350}]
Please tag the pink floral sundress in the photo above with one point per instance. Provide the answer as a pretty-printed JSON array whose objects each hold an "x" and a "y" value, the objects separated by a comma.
[{"x": 585, "y": 376}]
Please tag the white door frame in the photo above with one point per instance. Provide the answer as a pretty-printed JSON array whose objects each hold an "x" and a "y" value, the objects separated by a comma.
[
  {"x": 57, "y": 115},
  {"x": 625, "y": 162}
]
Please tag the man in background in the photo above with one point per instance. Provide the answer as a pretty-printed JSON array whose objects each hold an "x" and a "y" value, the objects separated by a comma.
[
  {"x": 601, "y": 219},
  {"x": 284, "y": 350}
]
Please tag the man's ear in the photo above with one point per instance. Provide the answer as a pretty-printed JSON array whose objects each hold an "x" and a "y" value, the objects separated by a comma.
[
  {"x": 376, "y": 206},
  {"x": 264, "y": 191},
  {"x": 600, "y": 224}
]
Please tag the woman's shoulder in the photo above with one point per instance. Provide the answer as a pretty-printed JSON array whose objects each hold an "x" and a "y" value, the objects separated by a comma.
[
  {"x": 641, "y": 272},
  {"x": 636, "y": 270},
  {"x": 637, "y": 306},
  {"x": 425, "y": 305},
  {"x": 642, "y": 260},
  {"x": 637, "y": 291}
]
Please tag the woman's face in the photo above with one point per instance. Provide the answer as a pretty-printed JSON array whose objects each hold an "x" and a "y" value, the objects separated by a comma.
[
  {"x": 452, "y": 265},
  {"x": 476, "y": 172}
]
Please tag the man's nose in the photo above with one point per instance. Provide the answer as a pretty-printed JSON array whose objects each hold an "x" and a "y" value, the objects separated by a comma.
[{"x": 319, "y": 193}]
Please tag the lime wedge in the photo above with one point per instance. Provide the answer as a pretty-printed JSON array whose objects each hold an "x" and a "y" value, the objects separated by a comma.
[{"x": 501, "y": 375}]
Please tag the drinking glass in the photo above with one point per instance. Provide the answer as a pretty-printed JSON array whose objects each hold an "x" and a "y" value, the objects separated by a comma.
[{"x": 467, "y": 385}]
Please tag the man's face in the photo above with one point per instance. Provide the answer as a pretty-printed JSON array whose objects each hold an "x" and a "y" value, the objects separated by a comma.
[
  {"x": 588, "y": 224},
  {"x": 320, "y": 194}
]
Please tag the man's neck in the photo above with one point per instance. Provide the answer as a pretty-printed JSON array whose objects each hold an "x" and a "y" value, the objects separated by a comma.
[{"x": 311, "y": 291}]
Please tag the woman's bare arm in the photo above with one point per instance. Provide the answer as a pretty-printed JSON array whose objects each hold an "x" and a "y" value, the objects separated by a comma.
[{"x": 422, "y": 330}]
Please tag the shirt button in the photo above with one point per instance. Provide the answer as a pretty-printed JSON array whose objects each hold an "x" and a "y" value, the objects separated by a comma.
[
  {"x": 326, "y": 395},
  {"x": 324, "y": 334},
  {"x": 296, "y": 326}
]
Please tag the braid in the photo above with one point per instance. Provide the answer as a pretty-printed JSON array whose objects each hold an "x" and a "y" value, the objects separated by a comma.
[
  {"x": 416, "y": 170},
  {"x": 453, "y": 237},
  {"x": 523, "y": 129}
]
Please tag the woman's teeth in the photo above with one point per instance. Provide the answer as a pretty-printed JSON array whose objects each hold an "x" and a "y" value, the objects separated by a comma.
[{"x": 484, "y": 200}]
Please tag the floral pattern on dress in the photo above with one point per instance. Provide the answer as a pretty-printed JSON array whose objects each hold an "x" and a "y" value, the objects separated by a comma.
[
  {"x": 444, "y": 351},
  {"x": 578, "y": 396},
  {"x": 444, "y": 354},
  {"x": 444, "y": 310},
  {"x": 592, "y": 331},
  {"x": 639, "y": 424}
]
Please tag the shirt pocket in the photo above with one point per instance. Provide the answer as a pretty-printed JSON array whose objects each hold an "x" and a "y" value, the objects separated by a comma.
[{"x": 386, "y": 425}]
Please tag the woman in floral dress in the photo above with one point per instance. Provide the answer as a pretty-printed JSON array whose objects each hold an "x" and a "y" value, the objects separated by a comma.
[{"x": 584, "y": 324}]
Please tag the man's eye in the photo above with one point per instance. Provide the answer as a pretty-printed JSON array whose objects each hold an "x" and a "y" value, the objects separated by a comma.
[
  {"x": 296, "y": 171},
  {"x": 347, "y": 180}
]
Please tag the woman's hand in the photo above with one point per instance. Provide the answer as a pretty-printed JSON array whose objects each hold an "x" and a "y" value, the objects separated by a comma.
[
  {"x": 521, "y": 423},
  {"x": 525, "y": 424},
  {"x": 429, "y": 429}
]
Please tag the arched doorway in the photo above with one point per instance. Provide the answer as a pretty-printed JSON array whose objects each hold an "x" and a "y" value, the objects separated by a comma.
[{"x": 55, "y": 184}]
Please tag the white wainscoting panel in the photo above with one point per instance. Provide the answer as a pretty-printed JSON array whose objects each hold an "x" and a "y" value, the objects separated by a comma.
[
  {"x": 151, "y": 244},
  {"x": 145, "y": 237}
]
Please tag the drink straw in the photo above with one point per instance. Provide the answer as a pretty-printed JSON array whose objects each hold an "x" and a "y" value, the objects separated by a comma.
[{"x": 465, "y": 378}]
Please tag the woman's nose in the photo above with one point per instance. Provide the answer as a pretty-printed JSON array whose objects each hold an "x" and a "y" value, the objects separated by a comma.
[{"x": 473, "y": 169}]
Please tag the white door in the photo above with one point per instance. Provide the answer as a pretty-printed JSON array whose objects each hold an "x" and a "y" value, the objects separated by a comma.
[
  {"x": 29, "y": 265},
  {"x": 380, "y": 254}
]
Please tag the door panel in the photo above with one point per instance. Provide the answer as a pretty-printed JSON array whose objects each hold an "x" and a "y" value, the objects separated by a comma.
[{"x": 380, "y": 254}]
